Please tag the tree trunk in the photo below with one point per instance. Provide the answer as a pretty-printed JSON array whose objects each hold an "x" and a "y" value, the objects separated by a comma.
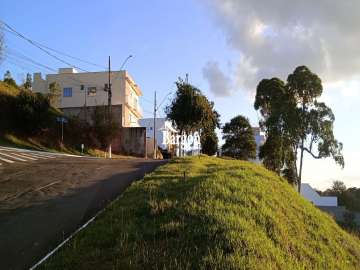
[
  {"x": 302, "y": 150},
  {"x": 301, "y": 165}
]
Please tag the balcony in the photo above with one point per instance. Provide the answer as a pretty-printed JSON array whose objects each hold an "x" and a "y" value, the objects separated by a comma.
[{"x": 133, "y": 106}]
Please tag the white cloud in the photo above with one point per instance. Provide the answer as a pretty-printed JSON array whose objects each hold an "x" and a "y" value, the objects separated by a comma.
[
  {"x": 275, "y": 36},
  {"x": 220, "y": 84}
]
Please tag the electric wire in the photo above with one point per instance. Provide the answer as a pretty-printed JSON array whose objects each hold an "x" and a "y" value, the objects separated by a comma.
[{"x": 40, "y": 47}]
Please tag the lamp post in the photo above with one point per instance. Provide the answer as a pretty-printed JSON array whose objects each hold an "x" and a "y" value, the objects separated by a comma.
[
  {"x": 108, "y": 89},
  {"x": 156, "y": 108},
  {"x": 125, "y": 61}
]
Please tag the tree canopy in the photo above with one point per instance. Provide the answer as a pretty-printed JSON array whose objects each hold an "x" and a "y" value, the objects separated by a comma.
[
  {"x": 28, "y": 82},
  {"x": 239, "y": 139},
  {"x": 9, "y": 79},
  {"x": 54, "y": 94},
  {"x": 295, "y": 122},
  {"x": 191, "y": 111}
]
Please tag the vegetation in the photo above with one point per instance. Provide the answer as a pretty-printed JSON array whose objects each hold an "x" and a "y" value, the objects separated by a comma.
[
  {"x": 209, "y": 142},
  {"x": 191, "y": 111},
  {"x": 54, "y": 94},
  {"x": 348, "y": 197},
  {"x": 28, "y": 82},
  {"x": 28, "y": 120},
  {"x": 9, "y": 80},
  {"x": 105, "y": 128},
  {"x": 239, "y": 139},
  {"x": 224, "y": 214},
  {"x": 294, "y": 121}
]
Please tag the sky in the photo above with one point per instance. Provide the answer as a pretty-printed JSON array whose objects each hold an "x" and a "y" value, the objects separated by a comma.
[{"x": 226, "y": 47}]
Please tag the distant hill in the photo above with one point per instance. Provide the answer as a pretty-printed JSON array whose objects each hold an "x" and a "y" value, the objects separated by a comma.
[{"x": 225, "y": 214}]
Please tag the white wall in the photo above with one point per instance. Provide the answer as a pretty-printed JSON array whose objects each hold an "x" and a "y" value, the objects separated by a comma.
[
  {"x": 311, "y": 195},
  {"x": 162, "y": 126}
]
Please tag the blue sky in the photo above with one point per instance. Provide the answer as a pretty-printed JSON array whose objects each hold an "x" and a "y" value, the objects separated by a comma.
[{"x": 171, "y": 38}]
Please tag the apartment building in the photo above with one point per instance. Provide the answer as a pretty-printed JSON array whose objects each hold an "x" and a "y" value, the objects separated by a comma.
[{"x": 82, "y": 91}]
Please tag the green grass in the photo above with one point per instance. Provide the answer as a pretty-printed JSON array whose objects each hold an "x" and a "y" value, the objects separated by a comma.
[{"x": 226, "y": 214}]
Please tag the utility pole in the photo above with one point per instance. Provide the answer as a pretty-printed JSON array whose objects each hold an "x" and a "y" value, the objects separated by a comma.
[
  {"x": 109, "y": 88},
  {"x": 82, "y": 88},
  {"x": 62, "y": 130},
  {"x": 155, "y": 147},
  {"x": 109, "y": 101}
]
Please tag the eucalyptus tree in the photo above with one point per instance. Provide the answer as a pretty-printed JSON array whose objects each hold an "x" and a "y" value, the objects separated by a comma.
[{"x": 295, "y": 122}]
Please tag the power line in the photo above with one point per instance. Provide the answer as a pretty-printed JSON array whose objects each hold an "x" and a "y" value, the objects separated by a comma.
[
  {"x": 16, "y": 64},
  {"x": 34, "y": 43},
  {"x": 21, "y": 56},
  {"x": 70, "y": 56},
  {"x": 60, "y": 52},
  {"x": 147, "y": 100}
]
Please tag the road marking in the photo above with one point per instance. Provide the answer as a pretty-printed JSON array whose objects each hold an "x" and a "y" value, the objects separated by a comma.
[
  {"x": 6, "y": 160},
  {"x": 42, "y": 155},
  {"x": 32, "y": 156},
  {"x": 12, "y": 157},
  {"x": 24, "y": 156}
]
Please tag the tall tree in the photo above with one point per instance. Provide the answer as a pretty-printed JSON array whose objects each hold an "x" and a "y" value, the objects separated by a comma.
[
  {"x": 28, "y": 82},
  {"x": 8, "y": 79},
  {"x": 54, "y": 94},
  {"x": 239, "y": 139},
  {"x": 294, "y": 122},
  {"x": 315, "y": 120},
  {"x": 191, "y": 111}
]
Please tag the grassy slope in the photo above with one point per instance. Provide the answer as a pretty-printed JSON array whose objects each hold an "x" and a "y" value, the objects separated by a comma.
[{"x": 227, "y": 214}]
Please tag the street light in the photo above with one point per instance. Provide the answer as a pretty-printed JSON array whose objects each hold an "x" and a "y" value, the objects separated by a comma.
[
  {"x": 108, "y": 89},
  {"x": 123, "y": 64},
  {"x": 156, "y": 108}
]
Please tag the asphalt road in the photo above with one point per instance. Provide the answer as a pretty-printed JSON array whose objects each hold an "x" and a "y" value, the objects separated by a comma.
[{"x": 45, "y": 200}]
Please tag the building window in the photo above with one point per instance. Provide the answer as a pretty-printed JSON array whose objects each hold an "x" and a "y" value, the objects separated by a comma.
[
  {"x": 67, "y": 92},
  {"x": 91, "y": 91}
]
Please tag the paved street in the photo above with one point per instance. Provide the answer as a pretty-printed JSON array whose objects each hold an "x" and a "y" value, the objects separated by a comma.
[{"x": 44, "y": 197}]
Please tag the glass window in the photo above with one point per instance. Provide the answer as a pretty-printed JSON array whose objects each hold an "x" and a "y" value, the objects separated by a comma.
[
  {"x": 67, "y": 92},
  {"x": 91, "y": 91}
]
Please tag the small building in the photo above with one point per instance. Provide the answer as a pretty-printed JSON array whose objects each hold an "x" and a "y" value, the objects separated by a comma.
[
  {"x": 321, "y": 201},
  {"x": 164, "y": 131},
  {"x": 81, "y": 92}
]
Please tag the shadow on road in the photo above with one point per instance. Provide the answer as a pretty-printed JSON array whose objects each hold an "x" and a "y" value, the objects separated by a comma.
[{"x": 28, "y": 234}]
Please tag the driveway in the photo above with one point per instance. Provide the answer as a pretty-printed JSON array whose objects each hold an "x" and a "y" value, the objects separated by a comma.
[{"x": 43, "y": 201}]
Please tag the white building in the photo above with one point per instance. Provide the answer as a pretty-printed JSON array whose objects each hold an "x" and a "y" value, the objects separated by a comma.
[
  {"x": 311, "y": 195},
  {"x": 85, "y": 90},
  {"x": 260, "y": 140},
  {"x": 164, "y": 129}
]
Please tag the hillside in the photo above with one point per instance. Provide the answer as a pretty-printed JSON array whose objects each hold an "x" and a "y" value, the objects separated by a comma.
[
  {"x": 225, "y": 214},
  {"x": 28, "y": 121}
]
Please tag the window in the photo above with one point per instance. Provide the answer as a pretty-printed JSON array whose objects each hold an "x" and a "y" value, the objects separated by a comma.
[
  {"x": 91, "y": 91},
  {"x": 67, "y": 92}
]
